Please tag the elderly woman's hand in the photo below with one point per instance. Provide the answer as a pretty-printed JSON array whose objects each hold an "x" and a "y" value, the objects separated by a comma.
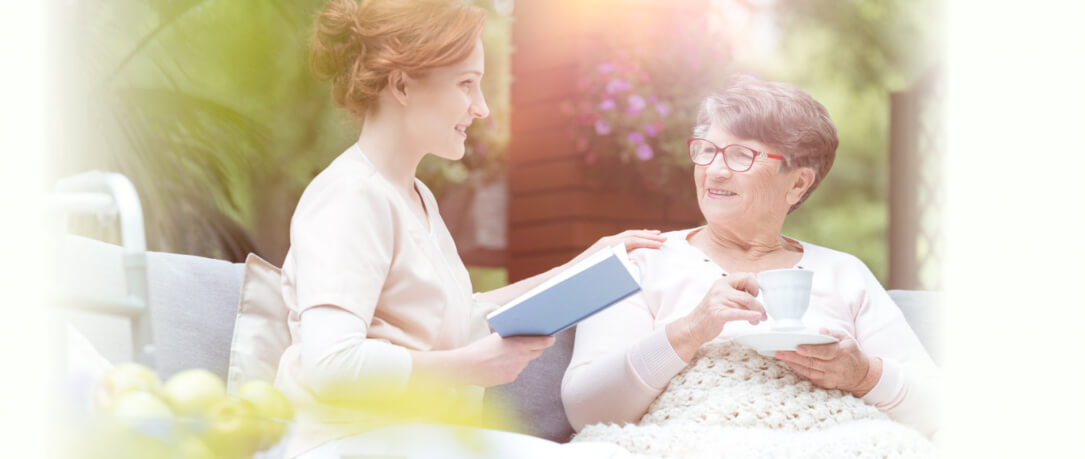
[
  {"x": 730, "y": 298},
  {"x": 841, "y": 365}
]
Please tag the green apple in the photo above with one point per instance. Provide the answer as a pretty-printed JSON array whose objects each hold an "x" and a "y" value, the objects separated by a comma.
[
  {"x": 267, "y": 400},
  {"x": 273, "y": 408},
  {"x": 192, "y": 392},
  {"x": 124, "y": 378},
  {"x": 191, "y": 447},
  {"x": 137, "y": 407},
  {"x": 232, "y": 429}
]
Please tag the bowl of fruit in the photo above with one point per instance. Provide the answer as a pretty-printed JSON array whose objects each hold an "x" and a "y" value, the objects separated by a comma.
[{"x": 188, "y": 416}]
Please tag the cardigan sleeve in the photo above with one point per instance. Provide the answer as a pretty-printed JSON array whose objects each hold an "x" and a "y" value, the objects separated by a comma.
[{"x": 908, "y": 388}]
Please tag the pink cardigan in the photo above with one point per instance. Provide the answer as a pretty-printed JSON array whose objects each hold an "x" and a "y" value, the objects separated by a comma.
[{"x": 622, "y": 360}]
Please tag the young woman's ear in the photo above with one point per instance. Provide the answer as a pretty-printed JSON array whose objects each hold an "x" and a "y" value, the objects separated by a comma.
[
  {"x": 397, "y": 84},
  {"x": 803, "y": 179}
]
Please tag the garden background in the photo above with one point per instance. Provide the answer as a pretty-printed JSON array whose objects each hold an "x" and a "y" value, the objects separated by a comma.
[{"x": 209, "y": 107}]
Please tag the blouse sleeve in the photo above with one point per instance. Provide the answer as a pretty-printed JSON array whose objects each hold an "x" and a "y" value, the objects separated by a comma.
[
  {"x": 619, "y": 365},
  {"x": 342, "y": 244},
  {"x": 339, "y": 363},
  {"x": 908, "y": 388}
]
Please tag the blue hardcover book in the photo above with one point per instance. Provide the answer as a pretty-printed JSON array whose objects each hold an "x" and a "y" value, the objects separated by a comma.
[{"x": 588, "y": 287}]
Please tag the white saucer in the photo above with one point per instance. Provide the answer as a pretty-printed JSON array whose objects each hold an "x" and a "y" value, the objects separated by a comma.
[{"x": 768, "y": 342}]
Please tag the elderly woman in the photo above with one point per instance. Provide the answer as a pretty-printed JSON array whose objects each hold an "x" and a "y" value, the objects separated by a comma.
[{"x": 664, "y": 358}]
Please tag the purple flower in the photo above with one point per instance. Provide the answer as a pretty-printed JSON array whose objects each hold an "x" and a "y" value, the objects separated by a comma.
[
  {"x": 662, "y": 109},
  {"x": 618, "y": 85},
  {"x": 650, "y": 129},
  {"x": 636, "y": 104},
  {"x": 653, "y": 99},
  {"x": 605, "y": 68},
  {"x": 644, "y": 152},
  {"x": 636, "y": 138},
  {"x": 602, "y": 127},
  {"x": 607, "y": 104}
]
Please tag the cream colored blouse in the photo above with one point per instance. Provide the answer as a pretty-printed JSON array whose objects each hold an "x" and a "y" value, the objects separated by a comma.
[{"x": 396, "y": 286}]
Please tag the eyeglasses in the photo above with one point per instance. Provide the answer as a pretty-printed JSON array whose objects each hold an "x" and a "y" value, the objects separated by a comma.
[{"x": 736, "y": 157}]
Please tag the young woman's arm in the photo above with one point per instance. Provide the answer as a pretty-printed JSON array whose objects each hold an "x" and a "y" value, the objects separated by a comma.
[
  {"x": 340, "y": 363},
  {"x": 633, "y": 239}
]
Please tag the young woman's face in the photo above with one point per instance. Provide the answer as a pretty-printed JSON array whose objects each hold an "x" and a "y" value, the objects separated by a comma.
[{"x": 444, "y": 102}]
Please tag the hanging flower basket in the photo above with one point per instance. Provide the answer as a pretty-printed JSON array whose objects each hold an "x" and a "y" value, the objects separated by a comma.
[{"x": 636, "y": 108}]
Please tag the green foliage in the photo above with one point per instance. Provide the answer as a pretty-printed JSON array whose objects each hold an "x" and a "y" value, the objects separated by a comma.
[
  {"x": 186, "y": 99},
  {"x": 484, "y": 279},
  {"x": 850, "y": 55},
  {"x": 209, "y": 107}
]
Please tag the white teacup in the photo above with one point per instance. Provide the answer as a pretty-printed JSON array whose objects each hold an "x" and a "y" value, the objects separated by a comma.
[{"x": 786, "y": 295}]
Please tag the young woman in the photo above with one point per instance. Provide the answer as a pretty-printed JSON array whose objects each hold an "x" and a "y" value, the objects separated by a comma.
[{"x": 379, "y": 299}]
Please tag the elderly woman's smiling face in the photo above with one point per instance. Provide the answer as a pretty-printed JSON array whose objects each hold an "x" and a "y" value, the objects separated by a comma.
[{"x": 761, "y": 195}]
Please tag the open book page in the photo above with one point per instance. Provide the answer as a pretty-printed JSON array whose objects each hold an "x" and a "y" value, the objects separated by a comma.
[{"x": 594, "y": 259}]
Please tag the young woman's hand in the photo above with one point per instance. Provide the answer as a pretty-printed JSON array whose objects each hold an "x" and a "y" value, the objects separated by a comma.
[
  {"x": 730, "y": 298},
  {"x": 633, "y": 239},
  {"x": 493, "y": 360}
]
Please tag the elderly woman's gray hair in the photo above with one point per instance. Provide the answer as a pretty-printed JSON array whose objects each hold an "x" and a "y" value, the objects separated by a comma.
[{"x": 779, "y": 115}]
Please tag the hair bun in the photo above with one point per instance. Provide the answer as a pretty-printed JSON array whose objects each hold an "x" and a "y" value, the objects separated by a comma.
[
  {"x": 335, "y": 46},
  {"x": 357, "y": 45}
]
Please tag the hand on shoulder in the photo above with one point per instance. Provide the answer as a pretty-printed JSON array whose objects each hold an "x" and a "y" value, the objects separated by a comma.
[{"x": 633, "y": 239}]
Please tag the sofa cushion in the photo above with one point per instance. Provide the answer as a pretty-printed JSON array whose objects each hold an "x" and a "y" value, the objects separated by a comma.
[
  {"x": 261, "y": 333},
  {"x": 922, "y": 309},
  {"x": 193, "y": 306},
  {"x": 534, "y": 399},
  {"x": 193, "y": 303}
]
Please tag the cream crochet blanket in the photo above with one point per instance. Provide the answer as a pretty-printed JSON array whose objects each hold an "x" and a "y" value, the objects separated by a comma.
[{"x": 734, "y": 402}]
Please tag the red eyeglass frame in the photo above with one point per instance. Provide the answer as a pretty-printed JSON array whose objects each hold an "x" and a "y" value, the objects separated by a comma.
[{"x": 759, "y": 153}]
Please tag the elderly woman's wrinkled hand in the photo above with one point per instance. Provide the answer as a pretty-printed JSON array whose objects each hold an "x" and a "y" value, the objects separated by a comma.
[
  {"x": 840, "y": 365},
  {"x": 730, "y": 298}
]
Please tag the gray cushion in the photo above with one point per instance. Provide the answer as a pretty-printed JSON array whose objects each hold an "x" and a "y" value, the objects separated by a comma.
[
  {"x": 193, "y": 304},
  {"x": 534, "y": 399},
  {"x": 921, "y": 310}
]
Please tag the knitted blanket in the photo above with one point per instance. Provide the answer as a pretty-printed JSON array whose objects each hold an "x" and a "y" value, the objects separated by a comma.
[{"x": 733, "y": 402}]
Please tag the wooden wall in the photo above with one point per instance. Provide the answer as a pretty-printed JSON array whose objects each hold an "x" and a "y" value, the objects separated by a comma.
[{"x": 555, "y": 211}]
